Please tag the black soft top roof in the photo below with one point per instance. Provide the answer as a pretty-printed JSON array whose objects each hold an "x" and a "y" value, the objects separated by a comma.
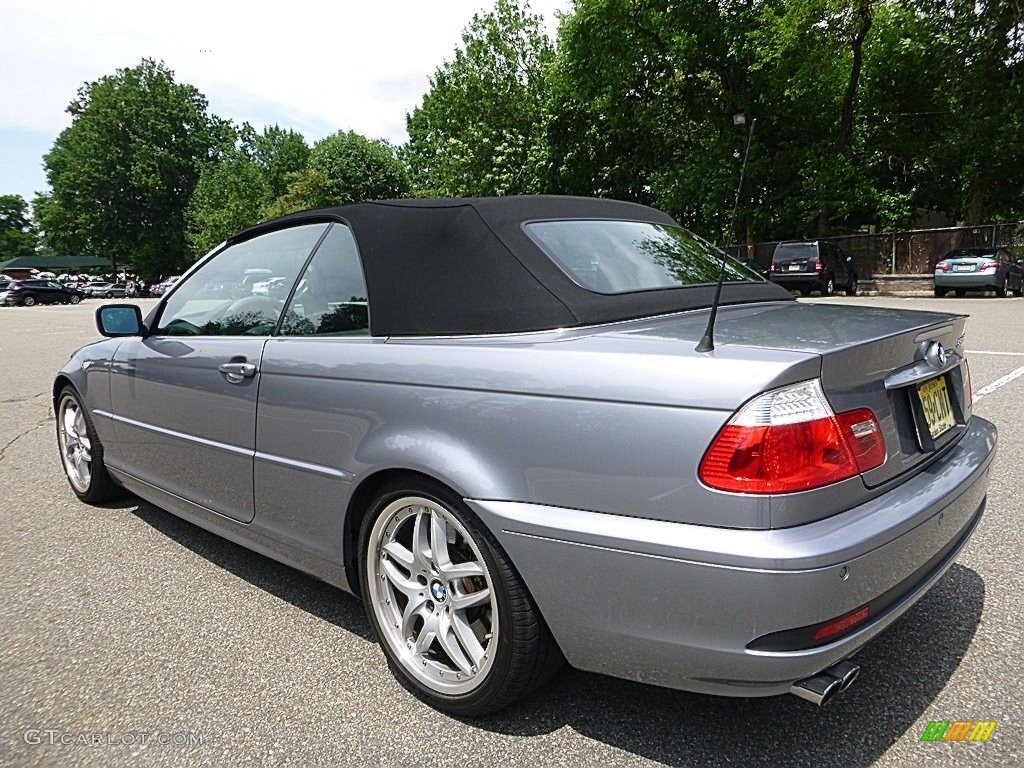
[{"x": 465, "y": 266}]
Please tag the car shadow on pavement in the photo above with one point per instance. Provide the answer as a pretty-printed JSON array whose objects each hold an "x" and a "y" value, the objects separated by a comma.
[
  {"x": 305, "y": 592},
  {"x": 902, "y": 672}
]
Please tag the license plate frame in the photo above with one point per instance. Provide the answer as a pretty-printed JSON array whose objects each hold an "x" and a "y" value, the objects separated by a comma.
[
  {"x": 963, "y": 267},
  {"x": 936, "y": 406}
]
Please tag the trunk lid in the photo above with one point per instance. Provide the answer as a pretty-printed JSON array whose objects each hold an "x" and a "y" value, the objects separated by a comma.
[{"x": 887, "y": 360}]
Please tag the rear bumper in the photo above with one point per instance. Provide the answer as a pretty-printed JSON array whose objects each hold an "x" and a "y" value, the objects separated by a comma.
[
  {"x": 968, "y": 280},
  {"x": 795, "y": 280},
  {"x": 678, "y": 605}
]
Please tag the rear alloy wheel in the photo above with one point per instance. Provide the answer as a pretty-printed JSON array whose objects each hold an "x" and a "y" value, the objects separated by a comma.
[
  {"x": 75, "y": 298},
  {"x": 1001, "y": 290},
  {"x": 830, "y": 286},
  {"x": 450, "y": 612},
  {"x": 940, "y": 293},
  {"x": 81, "y": 453},
  {"x": 851, "y": 287},
  {"x": 29, "y": 301}
]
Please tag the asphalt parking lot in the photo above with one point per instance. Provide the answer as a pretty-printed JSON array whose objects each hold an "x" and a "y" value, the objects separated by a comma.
[{"x": 124, "y": 621}]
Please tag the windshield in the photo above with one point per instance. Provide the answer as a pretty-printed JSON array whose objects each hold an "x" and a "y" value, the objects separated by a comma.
[{"x": 626, "y": 256}]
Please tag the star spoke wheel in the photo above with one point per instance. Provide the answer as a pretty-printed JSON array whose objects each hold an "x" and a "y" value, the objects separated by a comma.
[
  {"x": 454, "y": 620},
  {"x": 432, "y": 595}
]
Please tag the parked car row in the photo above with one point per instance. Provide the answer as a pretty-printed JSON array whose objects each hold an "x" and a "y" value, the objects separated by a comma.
[
  {"x": 28, "y": 293},
  {"x": 808, "y": 266}
]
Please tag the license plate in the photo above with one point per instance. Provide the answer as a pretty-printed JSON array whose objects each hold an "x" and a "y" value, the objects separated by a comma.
[
  {"x": 963, "y": 268},
  {"x": 794, "y": 267},
  {"x": 938, "y": 413}
]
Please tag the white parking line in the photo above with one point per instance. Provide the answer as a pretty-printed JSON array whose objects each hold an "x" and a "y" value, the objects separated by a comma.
[
  {"x": 1002, "y": 381},
  {"x": 986, "y": 352}
]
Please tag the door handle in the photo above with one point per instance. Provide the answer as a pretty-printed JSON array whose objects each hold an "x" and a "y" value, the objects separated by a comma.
[{"x": 237, "y": 372}]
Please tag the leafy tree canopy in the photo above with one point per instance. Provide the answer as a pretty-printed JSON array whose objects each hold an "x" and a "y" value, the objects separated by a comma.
[
  {"x": 235, "y": 190},
  {"x": 480, "y": 128},
  {"x": 344, "y": 167},
  {"x": 17, "y": 236},
  {"x": 122, "y": 173}
]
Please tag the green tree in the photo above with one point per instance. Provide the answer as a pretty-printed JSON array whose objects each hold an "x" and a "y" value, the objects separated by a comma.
[
  {"x": 344, "y": 167},
  {"x": 279, "y": 153},
  {"x": 643, "y": 94},
  {"x": 235, "y": 189},
  {"x": 976, "y": 156},
  {"x": 122, "y": 173},
  {"x": 17, "y": 235},
  {"x": 231, "y": 194},
  {"x": 480, "y": 129}
]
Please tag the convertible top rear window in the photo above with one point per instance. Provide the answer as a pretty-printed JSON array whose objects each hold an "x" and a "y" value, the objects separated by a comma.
[{"x": 612, "y": 257}]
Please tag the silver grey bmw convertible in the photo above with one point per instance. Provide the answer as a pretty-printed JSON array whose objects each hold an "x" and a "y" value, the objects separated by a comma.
[{"x": 537, "y": 430}]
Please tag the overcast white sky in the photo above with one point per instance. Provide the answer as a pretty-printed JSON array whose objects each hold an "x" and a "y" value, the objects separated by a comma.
[{"x": 316, "y": 67}]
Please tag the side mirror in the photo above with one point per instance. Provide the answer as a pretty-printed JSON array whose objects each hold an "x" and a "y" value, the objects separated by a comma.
[{"x": 120, "y": 320}]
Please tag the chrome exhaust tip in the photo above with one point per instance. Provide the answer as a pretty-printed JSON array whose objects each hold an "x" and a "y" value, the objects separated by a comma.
[
  {"x": 845, "y": 672},
  {"x": 824, "y": 686},
  {"x": 819, "y": 690}
]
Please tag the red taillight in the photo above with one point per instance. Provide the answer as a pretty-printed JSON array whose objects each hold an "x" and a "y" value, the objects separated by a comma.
[
  {"x": 864, "y": 436},
  {"x": 819, "y": 265},
  {"x": 942, "y": 267},
  {"x": 789, "y": 440},
  {"x": 989, "y": 265},
  {"x": 774, "y": 267},
  {"x": 840, "y": 625}
]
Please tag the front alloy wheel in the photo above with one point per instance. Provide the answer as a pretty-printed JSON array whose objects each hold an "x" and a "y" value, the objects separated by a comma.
[
  {"x": 75, "y": 444},
  {"x": 29, "y": 301},
  {"x": 81, "y": 452},
  {"x": 450, "y": 612}
]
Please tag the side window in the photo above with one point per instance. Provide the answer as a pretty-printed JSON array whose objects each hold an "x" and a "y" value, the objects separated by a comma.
[
  {"x": 237, "y": 292},
  {"x": 330, "y": 298}
]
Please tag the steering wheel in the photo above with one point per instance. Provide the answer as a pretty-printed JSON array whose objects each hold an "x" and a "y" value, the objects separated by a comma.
[{"x": 262, "y": 304}]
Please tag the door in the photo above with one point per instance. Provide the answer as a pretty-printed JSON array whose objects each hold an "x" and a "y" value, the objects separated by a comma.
[
  {"x": 314, "y": 411},
  {"x": 183, "y": 400}
]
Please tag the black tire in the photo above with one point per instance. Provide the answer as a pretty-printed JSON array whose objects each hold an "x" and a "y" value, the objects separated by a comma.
[
  {"x": 101, "y": 487},
  {"x": 805, "y": 291},
  {"x": 940, "y": 293},
  {"x": 960, "y": 293},
  {"x": 851, "y": 287},
  {"x": 829, "y": 288},
  {"x": 1001, "y": 290},
  {"x": 75, "y": 299},
  {"x": 526, "y": 655},
  {"x": 29, "y": 301}
]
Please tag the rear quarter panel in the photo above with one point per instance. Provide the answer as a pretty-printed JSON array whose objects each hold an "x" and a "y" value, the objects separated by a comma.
[{"x": 606, "y": 425}]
